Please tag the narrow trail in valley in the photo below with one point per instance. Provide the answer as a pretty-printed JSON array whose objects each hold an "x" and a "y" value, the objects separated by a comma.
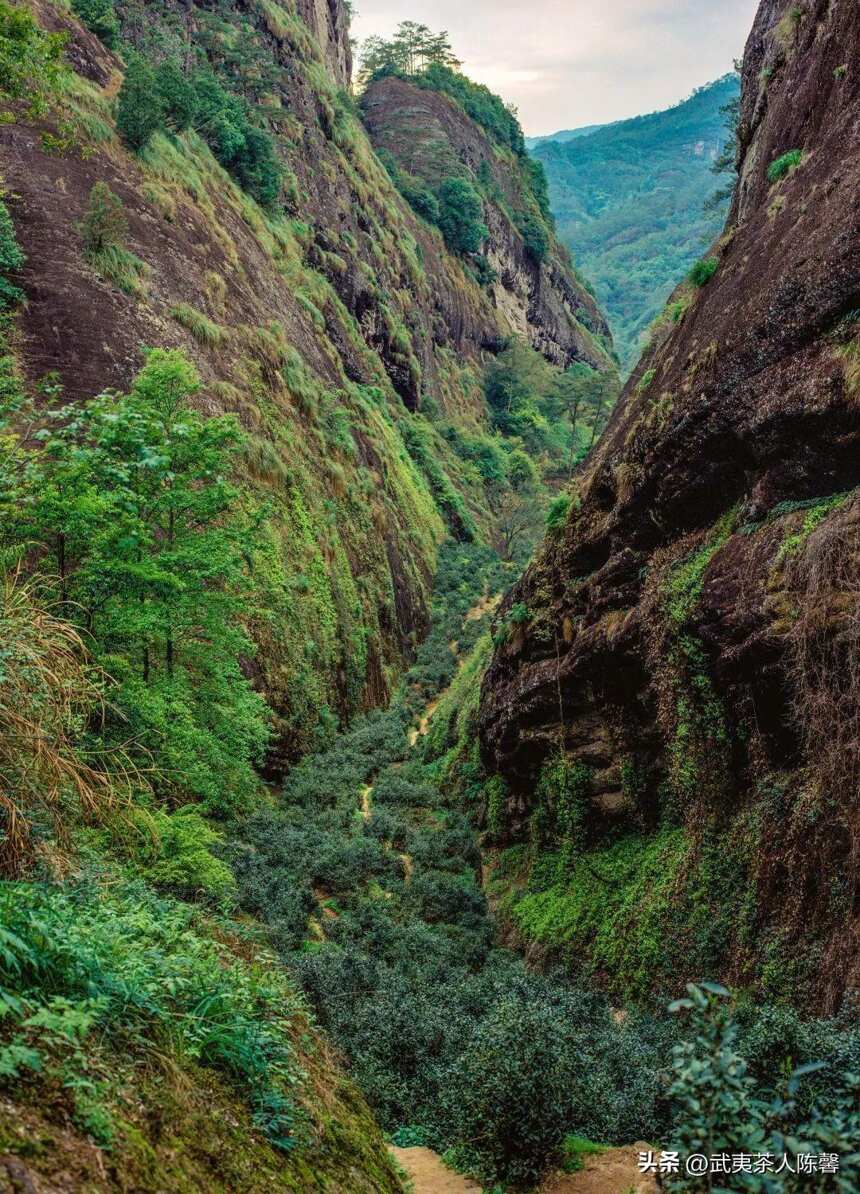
[
  {"x": 366, "y": 793},
  {"x": 429, "y": 1175},
  {"x": 488, "y": 604},
  {"x": 615, "y": 1171},
  {"x": 423, "y": 727},
  {"x": 612, "y": 1172}
]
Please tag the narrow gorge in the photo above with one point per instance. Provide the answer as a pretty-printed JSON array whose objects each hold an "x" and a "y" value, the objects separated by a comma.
[{"x": 425, "y": 764}]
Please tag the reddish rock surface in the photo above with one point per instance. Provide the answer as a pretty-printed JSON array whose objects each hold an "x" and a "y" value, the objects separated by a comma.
[
  {"x": 432, "y": 138},
  {"x": 739, "y": 419}
]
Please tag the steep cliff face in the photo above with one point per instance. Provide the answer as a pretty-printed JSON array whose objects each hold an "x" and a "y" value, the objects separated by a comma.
[
  {"x": 692, "y": 639},
  {"x": 322, "y": 325},
  {"x": 328, "y": 20},
  {"x": 432, "y": 138}
]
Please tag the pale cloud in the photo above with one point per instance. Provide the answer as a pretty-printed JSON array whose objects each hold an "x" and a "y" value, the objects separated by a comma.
[{"x": 566, "y": 63}]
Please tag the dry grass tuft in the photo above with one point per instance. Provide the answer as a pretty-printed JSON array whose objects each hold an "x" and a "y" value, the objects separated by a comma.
[{"x": 48, "y": 691}]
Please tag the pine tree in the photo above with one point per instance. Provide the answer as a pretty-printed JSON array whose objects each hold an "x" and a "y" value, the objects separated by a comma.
[{"x": 141, "y": 108}]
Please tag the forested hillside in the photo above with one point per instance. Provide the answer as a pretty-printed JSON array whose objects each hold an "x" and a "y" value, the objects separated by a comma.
[{"x": 631, "y": 201}]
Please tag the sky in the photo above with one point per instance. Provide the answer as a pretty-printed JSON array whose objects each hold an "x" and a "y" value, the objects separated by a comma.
[{"x": 567, "y": 63}]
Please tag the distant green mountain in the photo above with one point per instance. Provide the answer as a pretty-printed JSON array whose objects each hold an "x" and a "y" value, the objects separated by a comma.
[
  {"x": 566, "y": 135},
  {"x": 629, "y": 202}
]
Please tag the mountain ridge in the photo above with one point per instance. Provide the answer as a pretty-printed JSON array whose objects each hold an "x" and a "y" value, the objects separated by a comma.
[{"x": 628, "y": 199}]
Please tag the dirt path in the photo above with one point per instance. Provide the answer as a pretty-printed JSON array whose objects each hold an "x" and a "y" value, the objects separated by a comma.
[
  {"x": 366, "y": 793},
  {"x": 423, "y": 727},
  {"x": 429, "y": 1175},
  {"x": 487, "y": 605},
  {"x": 613, "y": 1172}
]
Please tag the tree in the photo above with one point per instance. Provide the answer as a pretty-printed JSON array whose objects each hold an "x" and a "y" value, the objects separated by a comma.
[
  {"x": 247, "y": 152},
  {"x": 141, "y": 107},
  {"x": 535, "y": 235},
  {"x": 583, "y": 396},
  {"x": 461, "y": 216},
  {"x": 726, "y": 161},
  {"x": 150, "y": 544},
  {"x": 105, "y": 223},
  {"x": 100, "y": 18},
  {"x": 177, "y": 95},
  {"x": 412, "y": 50},
  {"x": 517, "y": 506}
]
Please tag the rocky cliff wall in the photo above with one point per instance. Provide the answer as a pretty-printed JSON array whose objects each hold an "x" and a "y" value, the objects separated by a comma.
[
  {"x": 431, "y": 137},
  {"x": 322, "y": 325},
  {"x": 692, "y": 634}
]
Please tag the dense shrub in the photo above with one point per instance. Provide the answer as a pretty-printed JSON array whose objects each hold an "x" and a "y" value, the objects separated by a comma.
[
  {"x": 30, "y": 58},
  {"x": 720, "y": 1107},
  {"x": 140, "y": 106},
  {"x": 177, "y": 95},
  {"x": 535, "y": 235},
  {"x": 784, "y": 165},
  {"x": 100, "y": 17},
  {"x": 11, "y": 260},
  {"x": 132, "y": 969},
  {"x": 406, "y": 980},
  {"x": 130, "y": 503},
  {"x": 461, "y": 216},
  {"x": 179, "y": 857},
  {"x": 556, "y": 517},
  {"x": 703, "y": 271},
  {"x": 151, "y": 99}
]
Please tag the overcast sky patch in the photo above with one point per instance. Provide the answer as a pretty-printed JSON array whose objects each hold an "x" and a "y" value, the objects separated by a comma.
[{"x": 567, "y": 63}]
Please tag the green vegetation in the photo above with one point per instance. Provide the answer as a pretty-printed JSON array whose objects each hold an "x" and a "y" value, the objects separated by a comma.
[
  {"x": 629, "y": 908},
  {"x": 461, "y": 216},
  {"x": 703, "y": 271},
  {"x": 782, "y": 166},
  {"x": 404, "y": 976},
  {"x": 412, "y": 49},
  {"x": 645, "y": 381},
  {"x": 162, "y": 906},
  {"x": 130, "y": 509},
  {"x": 140, "y": 111},
  {"x": 100, "y": 17},
  {"x": 30, "y": 59},
  {"x": 134, "y": 972},
  {"x": 166, "y": 97},
  {"x": 103, "y": 230},
  {"x": 556, "y": 415},
  {"x": 427, "y": 61},
  {"x": 11, "y": 260},
  {"x": 202, "y": 328},
  {"x": 535, "y": 235},
  {"x": 722, "y": 1106},
  {"x": 628, "y": 201},
  {"x": 816, "y": 512},
  {"x": 577, "y": 1147},
  {"x": 416, "y": 437},
  {"x": 700, "y": 740},
  {"x": 546, "y": 422}
]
